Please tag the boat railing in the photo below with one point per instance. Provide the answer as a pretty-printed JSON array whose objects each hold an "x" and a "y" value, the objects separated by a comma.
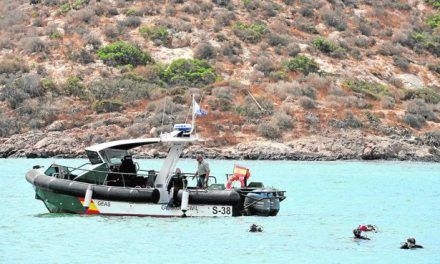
[
  {"x": 77, "y": 168},
  {"x": 124, "y": 174}
]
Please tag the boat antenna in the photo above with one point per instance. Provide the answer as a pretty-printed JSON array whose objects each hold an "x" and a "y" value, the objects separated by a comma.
[{"x": 163, "y": 114}]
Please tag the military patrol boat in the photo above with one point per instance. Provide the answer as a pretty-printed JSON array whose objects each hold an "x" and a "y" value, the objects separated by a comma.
[{"x": 111, "y": 183}]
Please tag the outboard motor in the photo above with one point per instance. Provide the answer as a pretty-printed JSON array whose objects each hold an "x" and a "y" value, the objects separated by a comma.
[{"x": 262, "y": 202}]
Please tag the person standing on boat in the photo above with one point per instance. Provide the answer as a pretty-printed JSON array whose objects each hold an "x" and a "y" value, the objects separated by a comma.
[{"x": 202, "y": 173}]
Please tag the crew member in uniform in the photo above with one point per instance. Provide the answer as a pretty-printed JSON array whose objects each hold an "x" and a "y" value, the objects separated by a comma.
[{"x": 202, "y": 173}]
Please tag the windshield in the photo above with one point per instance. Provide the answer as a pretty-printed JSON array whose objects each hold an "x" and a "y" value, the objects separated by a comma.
[
  {"x": 114, "y": 156},
  {"x": 93, "y": 157}
]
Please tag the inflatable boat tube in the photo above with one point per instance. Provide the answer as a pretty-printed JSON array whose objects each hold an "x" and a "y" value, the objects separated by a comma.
[
  {"x": 78, "y": 189},
  {"x": 216, "y": 197}
]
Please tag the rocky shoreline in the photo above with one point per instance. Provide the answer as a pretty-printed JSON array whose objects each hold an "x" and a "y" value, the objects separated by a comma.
[{"x": 339, "y": 146}]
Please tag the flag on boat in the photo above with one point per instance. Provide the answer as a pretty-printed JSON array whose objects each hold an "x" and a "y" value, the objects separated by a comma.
[
  {"x": 240, "y": 171},
  {"x": 240, "y": 174},
  {"x": 197, "y": 111}
]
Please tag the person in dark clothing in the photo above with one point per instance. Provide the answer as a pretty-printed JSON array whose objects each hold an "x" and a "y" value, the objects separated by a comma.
[
  {"x": 178, "y": 181},
  {"x": 255, "y": 228},
  {"x": 357, "y": 234},
  {"x": 410, "y": 244}
]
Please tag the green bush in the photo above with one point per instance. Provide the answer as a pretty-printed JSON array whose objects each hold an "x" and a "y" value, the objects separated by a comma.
[
  {"x": 121, "y": 53},
  {"x": 250, "y": 33},
  {"x": 159, "y": 34},
  {"x": 371, "y": 89},
  {"x": 428, "y": 95},
  {"x": 303, "y": 64},
  {"x": 106, "y": 106},
  {"x": 49, "y": 86},
  {"x": 189, "y": 72},
  {"x": 76, "y": 5},
  {"x": 74, "y": 87},
  {"x": 425, "y": 41},
  {"x": 372, "y": 118},
  {"x": 434, "y": 3},
  {"x": 325, "y": 45},
  {"x": 433, "y": 21}
]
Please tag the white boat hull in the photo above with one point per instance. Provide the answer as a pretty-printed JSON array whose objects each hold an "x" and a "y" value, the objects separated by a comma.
[{"x": 159, "y": 210}]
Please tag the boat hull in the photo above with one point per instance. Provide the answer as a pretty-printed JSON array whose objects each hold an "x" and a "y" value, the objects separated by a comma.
[{"x": 61, "y": 203}]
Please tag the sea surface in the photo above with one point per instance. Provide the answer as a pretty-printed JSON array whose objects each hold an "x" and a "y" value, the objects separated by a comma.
[{"x": 325, "y": 201}]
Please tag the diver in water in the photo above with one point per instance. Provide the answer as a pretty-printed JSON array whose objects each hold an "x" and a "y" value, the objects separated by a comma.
[
  {"x": 410, "y": 244},
  {"x": 367, "y": 228},
  {"x": 357, "y": 234},
  {"x": 255, "y": 228}
]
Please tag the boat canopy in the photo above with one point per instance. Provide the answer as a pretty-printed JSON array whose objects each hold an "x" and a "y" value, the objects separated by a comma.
[
  {"x": 112, "y": 152},
  {"x": 125, "y": 144}
]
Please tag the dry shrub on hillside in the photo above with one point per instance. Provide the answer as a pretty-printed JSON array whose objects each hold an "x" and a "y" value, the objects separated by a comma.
[
  {"x": 12, "y": 15},
  {"x": 224, "y": 98},
  {"x": 282, "y": 89},
  {"x": 232, "y": 50},
  {"x": 205, "y": 50},
  {"x": 269, "y": 130},
  {"x": 293, "y": 49},
  {"x": 419, "y": 107},
  {"x": 223, "y": 18},
  {"x": 266, "y": 65},
  {"x": 282, "y": 120},
  {"x": 401, "y": 62},
  {"x": 277, "y": 40},
  {"x": 125, "y": 89},
  {"x": 12, "y": 65},
  {"x": 388, "y": 102},
  {"x": 311, "y": 118},
  {"x": 307, "y": 103},
  {"x": 16, "y": 91},
  {"x": 176, "y": 24},
  {"x": 335, "y": 18},
  {"x": 86, "y": 15},
  {"x": 82, "y": 56},
  {"x": 356, "y": 102},
  {"x": 111, "y": 32},
  {"x": 93, "y": 40},
  {"x": 148, "y": 10},
  {"x": 252, "y": 111},
  {"x": 318, "y": 82},
  {"x": 418, "y": 112},
  {"x": 305, "y": 26},
  {"x": 389, "y": 49},
  {"x": 129, "y": 22},
  {"x": 349, "y": 122},
  {"x": 364, "y": 42},
  {"x": 9, "y": 125},
  {"x": 34, "y": 45},
  {"x": 37, "y": 113}
]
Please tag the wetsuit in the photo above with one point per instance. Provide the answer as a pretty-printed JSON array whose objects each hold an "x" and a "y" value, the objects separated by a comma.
[
  {"x": 177, "y": 182},
  {"x": 407, "y": 246}
]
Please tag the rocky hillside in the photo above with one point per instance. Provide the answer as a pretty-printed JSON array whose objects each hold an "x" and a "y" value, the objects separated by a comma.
[{"x": 291, "y": 79}]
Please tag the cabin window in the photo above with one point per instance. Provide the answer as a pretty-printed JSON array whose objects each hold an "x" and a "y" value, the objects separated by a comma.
[
  {"x": 93, "y": 157},
  {"x": 114, "y": 156}
]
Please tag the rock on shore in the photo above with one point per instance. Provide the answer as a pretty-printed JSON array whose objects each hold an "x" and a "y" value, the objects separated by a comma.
[{"x": 340, "y": 146}]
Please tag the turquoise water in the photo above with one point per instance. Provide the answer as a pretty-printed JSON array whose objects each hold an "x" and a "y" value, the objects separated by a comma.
[{"x": 325, "y": 201}]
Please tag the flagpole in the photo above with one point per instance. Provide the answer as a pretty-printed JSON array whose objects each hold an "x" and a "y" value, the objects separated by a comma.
[{"x": 193, "y": 121}]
